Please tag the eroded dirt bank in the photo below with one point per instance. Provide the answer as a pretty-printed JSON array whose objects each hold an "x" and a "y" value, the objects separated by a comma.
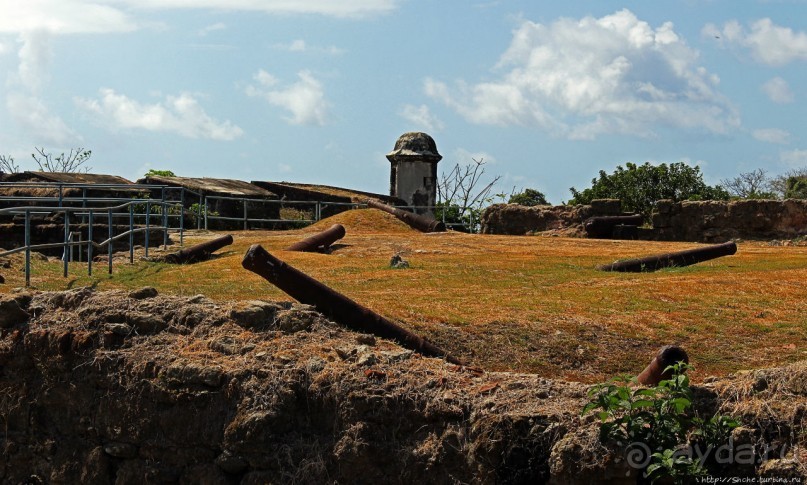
[{"x": 116, "y": 387}]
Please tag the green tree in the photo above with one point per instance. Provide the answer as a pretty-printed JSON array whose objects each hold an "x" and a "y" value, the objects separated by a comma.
[
  {"x": 160, "y": 173},
  {"x": 640, "y": 186},
  {"x": 529, "y": 197},
  {"x": 796, "y": 188}
]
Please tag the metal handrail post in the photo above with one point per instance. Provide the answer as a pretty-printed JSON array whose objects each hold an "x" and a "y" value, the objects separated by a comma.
[
  {"x": 148, "y": 217},
  {"x": 182, "y": 224},
  {"x": 165, "y": 224},
  {"x": 109, "y": 246},
  {"x": 27, "y": 248},
  {"x": 206, "y": 211},
  {"x": 245, "y": 214},
  {"x": 89, "y": 244},
  {"x": 60, "y": 194},
  {"x": 131, "y": 234},
  {"x": 66, "y": 253}
]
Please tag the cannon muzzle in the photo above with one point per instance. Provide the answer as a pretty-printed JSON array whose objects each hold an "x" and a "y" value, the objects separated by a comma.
[
  {"x": 669, "y": 260},
  {"x": 335, "y": 305},
  {"x": 319, "y": 242},
  {"x": 655, "y": 371},
  {"x": 416, "y": 221}
]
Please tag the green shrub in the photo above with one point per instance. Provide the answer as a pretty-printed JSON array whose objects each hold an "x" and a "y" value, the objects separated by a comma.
[{"x": 658, "y": 427}]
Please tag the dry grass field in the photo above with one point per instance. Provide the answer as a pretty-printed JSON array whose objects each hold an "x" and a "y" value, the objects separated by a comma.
[{"x": 520, "y": 304}]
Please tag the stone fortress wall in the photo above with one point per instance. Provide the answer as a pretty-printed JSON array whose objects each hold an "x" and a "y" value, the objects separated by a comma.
[{"x": 695, "y": 221}]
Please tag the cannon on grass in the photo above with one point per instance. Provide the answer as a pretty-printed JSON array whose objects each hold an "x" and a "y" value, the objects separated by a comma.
[
  {"x": 321, "y": 241},
  {"x": 335, "y": 305},
  {"x": 415, "y": 221},
  {"x": 670, "y": 260},
  {"x": 199, "y": 252}
]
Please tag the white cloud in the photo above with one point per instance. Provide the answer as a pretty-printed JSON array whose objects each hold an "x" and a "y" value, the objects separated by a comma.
[
  {"x": 582, "y": 78},
  {"x": 299, "y": 45},
  {"x": 177, "y": 114},
  {"x": 23, "y": 101},
  {"x": 212, "y": 28},
  {"x": 772, "y": 135},
  {"x": 63, "y": 16},
  {"x": 305, "y": 99},
  {"x": 465, "y": 157},
  {"x": 767, "y": 42},
  {"x": 101, "y": 16},
  {"x": 35, "y": 55},
  {"x": 421, "y": 117},
  {"x": 778, "y": 90},
  {"x": 37, "y": 120},
  {"x": 794, "y": 158},
  {"x": 343, "y": 8}
]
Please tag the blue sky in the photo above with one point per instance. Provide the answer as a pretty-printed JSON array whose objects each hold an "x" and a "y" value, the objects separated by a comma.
[{"x": 317, "y": 91}]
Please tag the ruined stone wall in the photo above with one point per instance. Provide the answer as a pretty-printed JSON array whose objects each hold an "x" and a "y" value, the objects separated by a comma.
[
  {"x": 697, "y": 221},
  {"x": 514, "y": 219},
  {"x": 718, "y": 221}
]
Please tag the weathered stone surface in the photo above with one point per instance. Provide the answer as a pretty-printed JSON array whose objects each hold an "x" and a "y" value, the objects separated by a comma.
[
  {"x": 143, "y": 293},
  {"x": 718, "y": 221},
  {"x": 11, "y": 313}
]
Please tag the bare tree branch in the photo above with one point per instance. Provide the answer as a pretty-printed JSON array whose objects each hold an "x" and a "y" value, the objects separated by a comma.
[
  {"x": 7, "y": 164},
  {"x": 72, "y": 162}
]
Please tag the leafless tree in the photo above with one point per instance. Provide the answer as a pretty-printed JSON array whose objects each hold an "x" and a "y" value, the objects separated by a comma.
[
  {"x": 7, "y": 164},
  {"x": 72, "y": 162},
  {"x": 460, "y": 195},
  {"x": 749, "y": 185},
  {"x": 460, "y": 186}
]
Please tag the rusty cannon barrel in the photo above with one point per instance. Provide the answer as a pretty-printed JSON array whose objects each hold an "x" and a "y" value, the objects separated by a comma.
[
  {"x": 655, "y": 371},
  {"x": 416, "y": 221},
  {"x": 342, "y": 309},
  {"x": 321, "y": 241},
  {"x": 602, "y": 227},
  {"x": 199, "y": 252},
  {"x": 670, "y": 260}
]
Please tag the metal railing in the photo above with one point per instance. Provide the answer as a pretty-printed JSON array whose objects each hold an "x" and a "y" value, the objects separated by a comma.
[{"x": 90, "y": 214}]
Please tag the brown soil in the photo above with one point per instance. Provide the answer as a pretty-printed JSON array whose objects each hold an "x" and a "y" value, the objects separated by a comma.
[{"x": 137, "y": 387}]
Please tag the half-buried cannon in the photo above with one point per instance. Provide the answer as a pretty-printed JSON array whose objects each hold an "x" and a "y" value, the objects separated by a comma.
[
  {"x": 416, "y": 221},
  {"x": 342, "y": 309},
  {"x": 656, "y": 371},
  {"x": 199, "y": 252},
  {"x": 321, "y": 241},
  {"x": 669, "y": 260},
  {"x": 602, "y": 227}
]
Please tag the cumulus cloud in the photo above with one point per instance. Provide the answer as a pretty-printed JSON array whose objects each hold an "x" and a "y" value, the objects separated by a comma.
[
  {"x": 304, "y": 100},
  {"x": 772, "y": 135},
  {"x": 794, "y": 158},
  {"x": 767, "y": 42},
  {"x": 63, "y": 16},
  {"x": 421, "y": 117},
  {"x": 24, "y": 102},
  {"x": 582, "y": 78},
  {"x": 176, "y": 114},
  {"x": 299, "y": 45},
  {"x": 101, "y": 16},
  {"x": 35, "y": 117},
  {"x": 778, "y": 90}
]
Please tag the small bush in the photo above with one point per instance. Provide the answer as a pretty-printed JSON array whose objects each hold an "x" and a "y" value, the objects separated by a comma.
[{"x": 658, "y": 427}]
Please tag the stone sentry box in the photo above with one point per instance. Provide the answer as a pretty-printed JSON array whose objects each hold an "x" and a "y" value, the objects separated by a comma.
[{"x": 413, "y": 174}]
